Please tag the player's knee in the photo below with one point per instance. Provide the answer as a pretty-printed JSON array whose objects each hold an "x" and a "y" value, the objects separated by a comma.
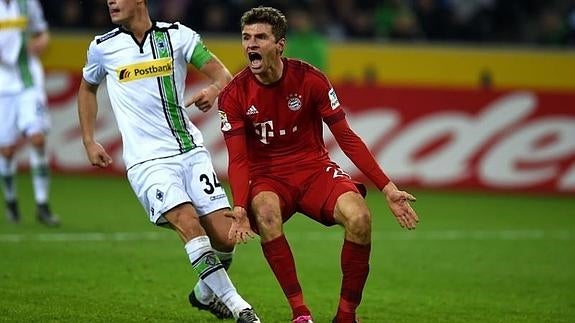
[
  {"x": 359, "y": 224},
  {"x": 185, "y": 222},
  {"x": 8, "y": 151},
  {"x": 269, "y": 225},
  {"x": 222, "y": 243},
  {"x": 267, "y": 214},
  {"x": 37, "y": 140},
  {"x": 269, "y": 220}
]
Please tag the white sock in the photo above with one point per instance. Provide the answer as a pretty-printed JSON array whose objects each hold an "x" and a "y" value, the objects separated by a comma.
[
  {"x": 40, "y": 175},
  {"x": 203, "y": 293},
  {"x": 210, "y": 270},
  {"x": 8, "y": 174}
]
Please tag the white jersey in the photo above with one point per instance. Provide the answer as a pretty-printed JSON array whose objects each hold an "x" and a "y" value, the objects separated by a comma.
[
  {"x": 146, "y": 83},
  {"x": 18, "y": 69}
]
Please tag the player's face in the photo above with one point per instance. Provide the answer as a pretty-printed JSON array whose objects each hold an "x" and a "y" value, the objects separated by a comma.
[
  {"x": 122, "y": 11},
  {"x": 261, "y": 48}
]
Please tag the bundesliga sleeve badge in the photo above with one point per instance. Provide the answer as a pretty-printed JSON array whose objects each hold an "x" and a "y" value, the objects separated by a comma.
[{"x": 226, "y": 126}]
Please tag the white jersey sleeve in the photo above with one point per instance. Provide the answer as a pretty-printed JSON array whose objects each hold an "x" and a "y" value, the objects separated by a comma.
[
  {"x": 195, "y": 52},
  {"x": 93, "y": 72},
  {"x": 190, "y": 40},
  {"x": 37, "y": 22}
]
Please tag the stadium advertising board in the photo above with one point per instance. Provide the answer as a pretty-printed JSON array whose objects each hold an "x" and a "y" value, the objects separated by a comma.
[{"x": 432, "y": 137}]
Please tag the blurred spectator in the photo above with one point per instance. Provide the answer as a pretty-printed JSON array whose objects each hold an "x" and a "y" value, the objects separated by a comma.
[
  {"x": 571, "y": 26},
  {"x": 216, "y": 19},
  {"x": 72, "y": 14},
  {"x": 304, "y": 40},
  {"x": 432, "y": 16},
  {"x": 356, "y": 17},
  {"x": 173, "y": 10},
  {"x": 548, "y": 23},
  {"x": 65, "y": 13},
  {"x": 99, "y": 17},
  {"x": 472, "y": 19},
  {"x": 552, "y": 29},
  {"x": 395, "y": 19}
]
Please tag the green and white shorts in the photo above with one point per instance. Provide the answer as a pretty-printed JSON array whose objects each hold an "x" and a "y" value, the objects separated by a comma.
[
  {"x": 165, "y": 183},
  {"x": 22, "y": 113}
]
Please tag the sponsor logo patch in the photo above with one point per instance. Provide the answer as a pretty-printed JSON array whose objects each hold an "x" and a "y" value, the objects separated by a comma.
[
  {"x": 154, "y": 68},
  {"x": 333, "y": 99},
  {"x": 217, "y": 197},
  {"x": 16, "y": 23}
]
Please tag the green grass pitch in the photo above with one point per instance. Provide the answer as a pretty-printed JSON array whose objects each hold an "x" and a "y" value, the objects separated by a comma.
[{"x": 475, "y": 257}]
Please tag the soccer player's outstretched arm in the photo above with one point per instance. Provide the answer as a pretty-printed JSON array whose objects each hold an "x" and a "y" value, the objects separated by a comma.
[
  {"x": 238, "y": 174},
  {"x": 219, "y": 76},
  {"x": 233, "y": 129},
  {"x": 87, "y": 112},
  {"x": 39, "y": 42},
  {"x": 356, "y": 150},
  {"x": 40, "y": 36}
]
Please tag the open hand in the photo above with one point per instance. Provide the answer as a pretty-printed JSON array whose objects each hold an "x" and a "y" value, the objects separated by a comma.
[
  {"x": 398, "y": 202},
  {"x": 240, "y": 231}
]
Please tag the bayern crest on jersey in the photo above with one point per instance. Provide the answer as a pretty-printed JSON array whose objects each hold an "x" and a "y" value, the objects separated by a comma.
[{"x": 294, "y": 101}]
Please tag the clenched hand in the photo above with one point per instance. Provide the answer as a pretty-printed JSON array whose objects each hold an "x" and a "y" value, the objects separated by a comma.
[
  {"x": 97, "y": 155},
  {"x": 205, "y": 98}
]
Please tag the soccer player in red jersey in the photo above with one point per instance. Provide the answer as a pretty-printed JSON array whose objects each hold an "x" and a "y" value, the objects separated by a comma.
[{"x": 272, "y": 114}]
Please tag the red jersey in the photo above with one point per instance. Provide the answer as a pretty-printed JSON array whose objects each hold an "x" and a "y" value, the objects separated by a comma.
[
  {"x": 278, "y": 127},
  {"x": 282, "y": 122}
]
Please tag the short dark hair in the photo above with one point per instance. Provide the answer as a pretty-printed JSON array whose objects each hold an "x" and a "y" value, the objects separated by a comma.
[{"x": 266, "y": 15}]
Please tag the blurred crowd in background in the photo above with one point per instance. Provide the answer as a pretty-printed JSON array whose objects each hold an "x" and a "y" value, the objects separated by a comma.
[{"x": 531, "y": 22}]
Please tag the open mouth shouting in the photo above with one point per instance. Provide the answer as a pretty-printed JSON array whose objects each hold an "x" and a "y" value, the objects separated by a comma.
[{"x": 256, "y": 60}]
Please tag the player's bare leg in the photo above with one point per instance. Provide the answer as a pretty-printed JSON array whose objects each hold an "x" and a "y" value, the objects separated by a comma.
[
  {"x": 266, "y": 206},
  {"x": 352, "y": 212},
  {"x": 185, "y": 221}
]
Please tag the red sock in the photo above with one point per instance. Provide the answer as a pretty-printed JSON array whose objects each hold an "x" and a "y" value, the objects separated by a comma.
[
  {"x": 355, "y": 268},
  {"x": 280, "y": 258}
]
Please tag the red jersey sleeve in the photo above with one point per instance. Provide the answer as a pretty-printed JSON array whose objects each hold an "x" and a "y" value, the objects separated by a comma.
[
  {"x": 238, "y": 169},
  {"x": 233, "y": 129},
  {"x": 356, "y": 150},
  {"x": 324, "y": 96},
  {"x": 350, "y": 143}
]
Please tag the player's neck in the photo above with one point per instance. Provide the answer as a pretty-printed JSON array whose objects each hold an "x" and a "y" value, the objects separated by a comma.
[
  {"x": 138, "y": 26},
  {"x": 273, "y": 74}
]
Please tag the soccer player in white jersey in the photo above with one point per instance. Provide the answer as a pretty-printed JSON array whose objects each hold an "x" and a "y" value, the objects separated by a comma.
[
  {"x": 23, "y": 36},
  {"x": 144, "y": 64}
]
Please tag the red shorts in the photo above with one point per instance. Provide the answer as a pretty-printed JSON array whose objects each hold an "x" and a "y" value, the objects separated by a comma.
[{"x": 311, "y": 190}]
